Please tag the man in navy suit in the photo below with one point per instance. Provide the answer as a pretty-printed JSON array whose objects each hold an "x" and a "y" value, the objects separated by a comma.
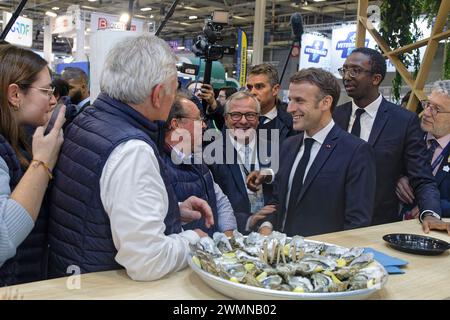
[
  {"x": 394, "y": 134},
  {"x": 436, "y": 123},
  {"x": 243, "y": 152},
  {"x": 263, "y": 83},
  {"x": 326, "y": 181}
]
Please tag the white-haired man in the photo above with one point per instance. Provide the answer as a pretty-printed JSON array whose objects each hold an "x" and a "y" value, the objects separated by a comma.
[
  {"x": 436, "y": 123},
  {"x": 112, "y": 205}
]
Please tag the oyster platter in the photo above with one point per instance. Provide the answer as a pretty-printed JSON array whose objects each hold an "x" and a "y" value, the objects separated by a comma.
[{"x": 281, "y": 267}]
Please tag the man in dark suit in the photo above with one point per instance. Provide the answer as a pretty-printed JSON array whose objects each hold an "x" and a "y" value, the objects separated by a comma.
[
  {"x": 436, "y": 123},
  {"x": 326, "y": 181},
  {"x": 243, "y": 152},
  {"x": 263, "y": 83},
  {"x": 394, "y": 134},
  {"x": 78, "y": 87}
]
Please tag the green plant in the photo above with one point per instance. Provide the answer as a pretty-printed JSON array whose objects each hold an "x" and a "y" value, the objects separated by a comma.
[
  {"x": 446, "y": 67},
  {"x": 399, "y": 28}
]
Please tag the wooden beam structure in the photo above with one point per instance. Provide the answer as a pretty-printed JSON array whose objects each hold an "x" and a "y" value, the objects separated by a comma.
[{"x": 432, "y": 42}]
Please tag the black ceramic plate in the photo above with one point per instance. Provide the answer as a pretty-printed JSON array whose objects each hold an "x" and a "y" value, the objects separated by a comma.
[{"x": 414, "y": 243}]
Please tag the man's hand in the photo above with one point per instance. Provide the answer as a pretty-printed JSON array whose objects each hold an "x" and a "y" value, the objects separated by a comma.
[
  {"x": 261, "y": 214},
  {"x": 255, "y": 179},
  {"x": 433, "y": 223},
  {"x": 200, "y": 233},
  {"x": 404, "y": 191},
  {"x": 193, "y": 208},
  {"x": 207, "y": 94}
]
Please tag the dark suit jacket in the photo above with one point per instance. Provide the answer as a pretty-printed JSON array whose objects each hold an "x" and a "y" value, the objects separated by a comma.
[
  {"x": 399, "y": 148},
  {"x": 282, "y": 122},
  {"x": 443, "y": 181},
  {"x": 338, "y": 191},
  {"x": 229, "y": 178}
]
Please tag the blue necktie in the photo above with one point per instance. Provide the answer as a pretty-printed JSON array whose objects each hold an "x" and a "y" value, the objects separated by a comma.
[
  {"x": 431, "y": 150},
  {"x": 356, "y": 129},
  {"x": 297, "y": 181},
  {"x": 262, "y": 119}
]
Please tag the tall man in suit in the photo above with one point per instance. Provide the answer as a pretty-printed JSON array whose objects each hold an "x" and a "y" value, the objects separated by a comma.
[
  {"x": 326, "y": 181},
  {"x": 243, "y": 152},
  {"x": 436, "y": 123},
  {"x": 394, "y": 134},
  {"x": 263, "y": 83}
]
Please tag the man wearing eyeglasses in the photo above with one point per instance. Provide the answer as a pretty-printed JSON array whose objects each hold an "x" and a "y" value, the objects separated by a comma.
[
  {"x": 244, "y": 152},
  {"x": 395, "y": 135},
  {"x": 187, "y": 173},
  {"x": 436, "y": 123}
]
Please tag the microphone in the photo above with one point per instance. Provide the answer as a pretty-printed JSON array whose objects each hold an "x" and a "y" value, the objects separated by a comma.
[{"x": 297, "y": 27}]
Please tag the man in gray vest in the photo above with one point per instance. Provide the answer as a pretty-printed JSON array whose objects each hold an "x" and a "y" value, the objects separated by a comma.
[{"x": 112, "y": 204}]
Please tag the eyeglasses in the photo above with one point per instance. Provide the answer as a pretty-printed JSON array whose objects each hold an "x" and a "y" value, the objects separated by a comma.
[
  {"x": 249, "y": 116},
  {"x": 48, "y": 91},
  {"x": 353, "y": 72},
  {"x": 434, "y": 109}
]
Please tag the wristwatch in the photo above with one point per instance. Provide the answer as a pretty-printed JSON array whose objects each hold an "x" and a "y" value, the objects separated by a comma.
[{"x": 428, "y": 213}]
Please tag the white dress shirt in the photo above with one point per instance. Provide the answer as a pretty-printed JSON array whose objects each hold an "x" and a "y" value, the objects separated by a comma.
[
  {"x": 367, "y": 118},
  {"x": 240, "y": 149},
  {"x": 319, "y": 138},
  {"x": 82, "y": 103},
  {"x": 135, "y": 198},
  {"x": 272, "y": 114}
]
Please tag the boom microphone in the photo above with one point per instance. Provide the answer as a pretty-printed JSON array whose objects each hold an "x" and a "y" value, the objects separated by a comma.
[
  {"x": 297, "y": 32},
  {"x": 297, "y": 26}
]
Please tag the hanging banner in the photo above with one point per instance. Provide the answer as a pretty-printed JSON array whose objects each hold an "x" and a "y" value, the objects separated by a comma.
[
  {"x": 103, "y": 21},
  {"x": 343, "y": 43},
  {"x": 241, "y": 65},
  {"x": 21, "y": 33},
  {"x": 316, "y": 52}
]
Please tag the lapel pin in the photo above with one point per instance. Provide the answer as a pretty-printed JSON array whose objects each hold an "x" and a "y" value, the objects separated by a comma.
[
  {"x": 328, "y": 146},
  {"x": 446, "y": 168}
]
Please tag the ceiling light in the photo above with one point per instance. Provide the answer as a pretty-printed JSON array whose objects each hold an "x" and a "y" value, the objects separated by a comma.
[
  {"x": 318, "y": 0},
  {"x": 146, "y": 9},
  {"x": 51, "y": 14},
  {"x": 124, "y": 18},
  {"x": 192, "y": 17},
  {"x": 55, "y": 8},
  {"x": 152, "y": 16},
  {"x": 238, "y": 17},
  {"x": 185, "y": 24},
  {"x": 88, "y": 7},
  {"x": 92, "y": 0}
]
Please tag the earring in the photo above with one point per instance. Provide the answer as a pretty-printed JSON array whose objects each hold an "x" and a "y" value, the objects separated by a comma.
[{"x": 16, "y": 108}]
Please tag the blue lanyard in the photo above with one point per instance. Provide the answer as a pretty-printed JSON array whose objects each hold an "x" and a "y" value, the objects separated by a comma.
[{"x": 440, "y": 157}]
